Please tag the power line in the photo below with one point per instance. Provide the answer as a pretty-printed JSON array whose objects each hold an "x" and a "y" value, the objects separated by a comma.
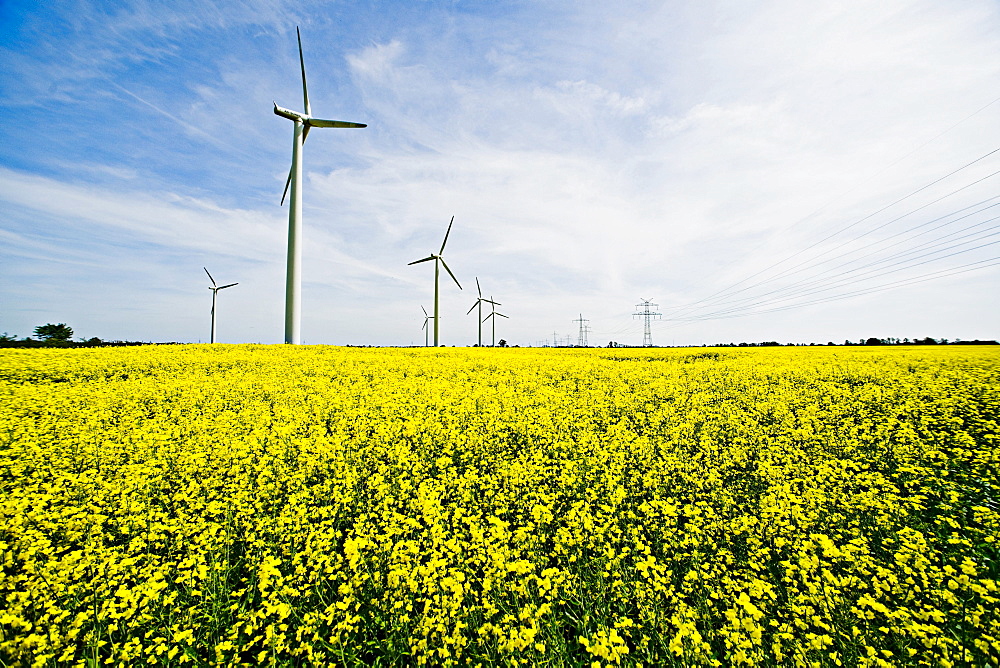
[
  {"x": 851, "y": 225},
  {"x": 881, "y": 171},
  {"x": 746, "y": 310},
  {"x": 715, "y": 297},
  {"x": 933, "y": 220},
  {"x": 962, "y": 269},
  {"x": 808, "y": 287},
  {"x": 791, "y": 270},
  {"x": 940, "y": 241}
]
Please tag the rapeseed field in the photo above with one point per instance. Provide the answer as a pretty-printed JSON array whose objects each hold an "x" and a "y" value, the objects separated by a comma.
[{"x": 321, "y": 506}]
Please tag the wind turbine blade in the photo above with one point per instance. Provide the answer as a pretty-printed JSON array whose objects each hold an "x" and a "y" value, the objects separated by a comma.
[
  {"x": 502, "y": 315},
  {"x": 425, "y": 323},
  {"x": 302, "y": 63},
  {"x": 228, "y": 286},
  {"x": 424, "y": 310},
  {"x": 449, "y": 272},
  {"x": 446, "y": 239},
  {"x": 426, "y": 259},
  {"x": 288, "y": 182},
  {"x": 477, "y": 288},
  {"x": 321, "y": 123},
  {"x": 209, "y": 275},
  {"x": 488, "y": 316},
  {"x": 473, "y": 307}
]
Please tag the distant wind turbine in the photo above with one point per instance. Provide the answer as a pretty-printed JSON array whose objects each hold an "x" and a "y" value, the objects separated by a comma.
[
  {"x": 493, "y": 314},
  {"x": 425, "y": 327},
  {"x": 479, "y": 302},
  {"x": 293, "y": 276},
  {"x": 438, "y": 258},
  {"x": 215, "y": 291}
]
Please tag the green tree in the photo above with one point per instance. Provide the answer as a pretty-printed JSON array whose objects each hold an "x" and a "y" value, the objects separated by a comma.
[{"x": 50, "y": 332}]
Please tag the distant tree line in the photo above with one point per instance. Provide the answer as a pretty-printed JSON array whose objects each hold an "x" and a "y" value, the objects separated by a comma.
[
  {"x": 871, "y": 341},
  {"x": 59, "y": 335}
]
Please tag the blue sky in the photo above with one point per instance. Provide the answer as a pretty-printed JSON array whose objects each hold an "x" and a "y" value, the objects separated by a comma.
[{"x": 774, "y": 170}]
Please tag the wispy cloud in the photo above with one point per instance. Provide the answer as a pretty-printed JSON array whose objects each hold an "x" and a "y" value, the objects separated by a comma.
[{"x": 191, "y": 128}]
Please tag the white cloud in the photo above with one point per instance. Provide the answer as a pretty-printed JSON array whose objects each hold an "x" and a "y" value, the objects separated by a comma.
[
  {"x": 378, "y": 62},
  {"x": 616, "y": 102}
]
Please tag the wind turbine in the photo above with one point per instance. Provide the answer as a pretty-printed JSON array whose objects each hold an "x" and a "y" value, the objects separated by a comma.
[
  {"x": 437, "y": 257},
  {"x": 425, "y": 328},
  {"x": 215, "y": 291},
  {"x": 479, "y": 303},
  {"x": 293, "y": 276},
  {"x": 493, "y": 314}
]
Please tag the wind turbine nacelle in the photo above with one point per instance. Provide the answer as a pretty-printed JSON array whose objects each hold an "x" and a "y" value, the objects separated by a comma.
[{"x": 289, "y": 114}]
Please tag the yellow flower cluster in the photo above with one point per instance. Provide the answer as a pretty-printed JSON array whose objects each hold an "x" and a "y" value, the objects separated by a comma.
[{"x": 251, "y": 505}]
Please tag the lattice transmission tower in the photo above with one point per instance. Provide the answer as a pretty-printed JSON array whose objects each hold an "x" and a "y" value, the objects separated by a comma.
[
  {"x": 647, "y": 312},
  {"x": 582, "y": 339}
]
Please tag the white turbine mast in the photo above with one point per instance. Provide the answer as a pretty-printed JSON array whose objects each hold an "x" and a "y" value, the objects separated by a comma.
[
  {"x": 425, "y": 327},
  {"x": 494, "y": 314},
  {"x": 215, "y": 291},
  {"x": 479, "y": 303},
  {"x": 439, "y": 259},
  {"x": 293, "y": 276}
]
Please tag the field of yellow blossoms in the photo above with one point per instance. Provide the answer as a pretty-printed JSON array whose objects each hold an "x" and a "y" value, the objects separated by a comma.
[{"x": 300, "y": 506}]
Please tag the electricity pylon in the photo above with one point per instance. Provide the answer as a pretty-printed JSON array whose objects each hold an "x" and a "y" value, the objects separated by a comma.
[
  {"x": 582, "y": 339},
  {"x": 647, "y": 305}
]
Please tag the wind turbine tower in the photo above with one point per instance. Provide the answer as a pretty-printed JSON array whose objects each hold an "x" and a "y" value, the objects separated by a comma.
[
  {"x": 293, "y": 276},
  {"x": 493, "y": 314},
  {"x": 425, "y": 327},
  {"x": 439, "y": 259},
  {"x": 582, "y": 339},
  {"x": 647, "y": 312},
  {"x": 479, "y": 302},
  {"x": 215, "y": 291}
]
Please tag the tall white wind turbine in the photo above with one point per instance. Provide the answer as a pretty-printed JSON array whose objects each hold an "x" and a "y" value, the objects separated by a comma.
[
  {"x": 439, "y": 259},
  {"x": 493, "y": 314},
  {"x": 215, "y": 291},
  {"x": 293, "y": 276},
  {"x": 425, "y": 327},
  {"x": 479, "y": 302}
]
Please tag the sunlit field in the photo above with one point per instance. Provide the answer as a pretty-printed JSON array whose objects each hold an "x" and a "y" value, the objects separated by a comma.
[{"x": 326, "y": 506}]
